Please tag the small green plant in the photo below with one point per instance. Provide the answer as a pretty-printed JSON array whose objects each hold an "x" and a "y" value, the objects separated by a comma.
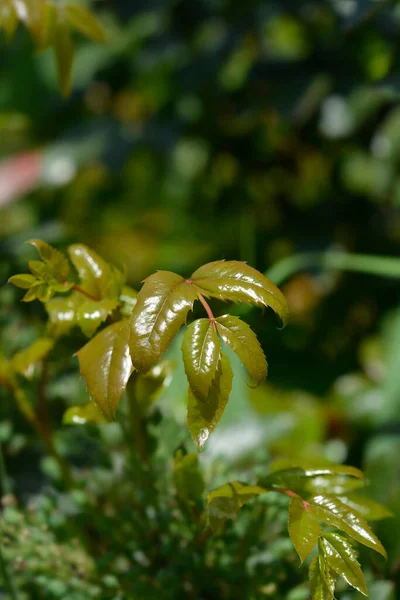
[{"x": 326, "y": 515}]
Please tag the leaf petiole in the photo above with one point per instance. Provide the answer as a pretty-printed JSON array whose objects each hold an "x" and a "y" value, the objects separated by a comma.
[{"x": 207, "y": 308}]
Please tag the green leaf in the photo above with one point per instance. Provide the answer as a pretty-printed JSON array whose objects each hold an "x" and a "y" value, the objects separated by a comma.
[
  {"x": 161, "y": 308},
  {"x": 333, "y": 479},
  {"x": 341, "y": 557},
  {"x": 226, "y": 501},
  {"x": 22, "y": 281},
  {"x": 8, "y": 18},
  {"x": 189, "y": 481},
  {"x": 201, "y": 354},
  {"x": 149, "y": 386},
  {"x": 236, "y": 281},
  {"x": 64, "y": 50},
  {"x": 127, "y": 299},
  {"x": 367, "y": 508},
  {"x": 333, "y": 512},
  {"x": 304, "y": 529},
  {"x": 106, "y": 364},
  {"x": 243, "y": 341},
  {"x": 85, "y": 22},
  {"x": 24, "y": 361},
  {"x": 80, "y": 415},
  {"x": 91, "y": 313},
  {"x": 98, "y": 278},
  {"x": 322, "y": 579},
  {"x": 57, "y": 262},
  {"x": 203, "y": 417},
  {"x": 63, "y": 313}
]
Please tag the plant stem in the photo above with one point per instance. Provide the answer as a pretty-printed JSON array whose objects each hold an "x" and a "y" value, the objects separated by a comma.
[
  {"x": 77, "y": 288},
  {"x": 384, "y": 266},
  {"x": 207, "y": 307}
]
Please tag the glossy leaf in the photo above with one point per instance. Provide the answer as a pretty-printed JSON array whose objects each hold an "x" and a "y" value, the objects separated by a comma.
[
  {"x": 203, "y": 417},
  {"x": 23, "y": 281},
  {"x": 367, "y": 508},
  {"x": 106, "y": 364},
  {"x": 23, "y": 362},
  {"x": 243, "y": 341},
  {"x": 97, "y": 277},
  {"x": 77, "y": 309},
  {"x": 333, "y": 512},
  {"x": 91, "y": 313},
  {"x": 149, "y": 386},
  {"x": 226, "y": 501},
  {"x": 161, "y": 308},
  {"x": 322, "y": 579},
  {"x": 304, "y": 529},
  {"x": 8, "y": 18},
  {"x": 201, "y": 354},
  {"x": 53, "y": 258},
  {"x": 236, "y": 281},
  {"x": 333, "y": 479},
  {"x": 341, "y": 557},
  {"x": 84, "y": 21},
  {"x": 127, "y": 299},
  {"x": 80, "y": 415},
  {"x": 189, "y": 481}
]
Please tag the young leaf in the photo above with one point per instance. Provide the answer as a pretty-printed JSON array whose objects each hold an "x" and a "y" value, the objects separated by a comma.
[
  {"x": 333, "y": 512},
  {"x": 304, "y": 529},
  {"x": 201, "y": 352},
  {"x": 23, "y": 281},
  {"x": 97, "y": 277},
  {"x": 85, "y": 22},
  {"x": 243, "y": 341},
  {"x": 91, "y": 313},
  {"x": 80, "y": 415},
  {"x": 341, "y": 557},
  {"x": 226, "y": 501},
  {"x": 54, "y": 259},
  {"x": 106, "y": 364},
  {"x": 236, "y": 281},
  {"x": 334, "y": 479},
  {"x": 8, "y": 18},
  {"x": 161, "y": 308},
  {"x": 322, "y": 579},
  {"x": 367, "y": 508},
  {"x": 189, "y": 481},
  {"x": 77, "y": 309},
  {"x": 203, "y": 417},
  {"x": 23, "y": 362}
]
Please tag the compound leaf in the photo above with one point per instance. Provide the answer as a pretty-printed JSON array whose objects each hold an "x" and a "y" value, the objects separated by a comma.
[
  {"x": 304, "y": 529},
  {"x": 322, "y": 579},
  {"x": 341, "y": 557},
  {"x": 201, "y": 353}
]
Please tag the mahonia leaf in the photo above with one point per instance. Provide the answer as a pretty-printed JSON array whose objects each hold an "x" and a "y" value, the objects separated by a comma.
[
  {"x": 84, "y": 21},
  {"x": 203, "y": 417},
  {"x": 23, "y": 281},
  {"x": 23, "y": 362},
  {"x": 333, "y": 479},
  {"x": 149, "y": 386},
  {"x": 341, "y": 557},
  {"x": 106, "y": 364},
  {"x": 55, "y": 260},
  {"x": 161, "y": 308},
  {"x": 333, "y": 512},
  {"x": 367, "y": 508},
  {"x": 243, "y": 341},
  {"x": 236, "y": 281},
  {"x": 77, "y": 309},
  {"x": 8, "y": 18},
  {"x": 322, "y": 579},
  {"x": 91, "y": 313},
  {"x": 80, "y": 415},
  {"x": 201, "y": 354},
  {"x": 98, "y": 278},
  {"x": 226, "y": 501},
  {"x": 304, "y": 529},
  {"x": 189, "y": 481}
]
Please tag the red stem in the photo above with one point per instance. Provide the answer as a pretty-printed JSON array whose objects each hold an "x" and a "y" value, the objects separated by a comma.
[
  {"x": 79, "y": 289},
  {"x": 207, "y": 307}
]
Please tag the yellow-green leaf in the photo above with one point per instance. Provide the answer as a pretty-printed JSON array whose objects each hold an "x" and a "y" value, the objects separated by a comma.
[
  {"x": 127, "y": 298},
  {"x": 57, "y": 262},
  {"x": 203, "y": 417},
  {"x": 63, "y": 312},
  {"x": 161, "y": 309},
  {"x": 322, "y": 579},
  {"x": 189, "y": 481},
  {"x": 64, "y": 52},
  {"x": 341, "y": 557},
  {"x": 23, "y": 362},
  {"x": 91, "y": 313},
  {"x": 80, "y": 415},
  {"x": 334, "y": 479},
  {"x": 8, "y": 18},
  {"x": 106, "y": 364},
  {"x": 23, "y": 281},
  {"x": 201, "y": 353},
  {"x": 85, "y": 22},
  {"x": 304, "y": 529},
  {"x": 367, "y": 508},
  {"x": 236, "y": 281},
  {"x": 98, "y": 278},
  {"x": 333, "y": 512},
  {"x": 226, "y": 501},
  {"x": 243, "y": 341}
]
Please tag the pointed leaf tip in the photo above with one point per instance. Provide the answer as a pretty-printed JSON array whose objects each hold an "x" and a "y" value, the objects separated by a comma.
[{"x": 201, "y": 354}]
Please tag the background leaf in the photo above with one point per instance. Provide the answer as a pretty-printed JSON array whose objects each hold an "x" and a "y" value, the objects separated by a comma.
[
  {"x": 226, "y": 501},
  {"x": 24, "y": 361},
  {"x": 201, "y": 355},
  {"x": 85, "y": 22},
  {"x": 189, "y": 481},
  {"x": 367, "y": 508},
  {"x": 81, "y": 415}
]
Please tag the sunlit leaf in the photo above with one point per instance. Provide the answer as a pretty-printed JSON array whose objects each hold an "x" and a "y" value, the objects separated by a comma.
[
  {"x": 57, "y": 262},
  {"x": 84, "y": 21},
  {"x": 106, "y": 364},
  {"x": 8, "y": 18},
  {"x": 201, "y": 353},
  {"x": 189, "y": 481},
  {"x": 23, "y": 362},
  {"x": 127, "y": 299},
  {"x": 304, "y": 529},
  {"x": 226, "y": 501},
  {"x": 367, "y": 508},
  {"x": 243, "y": 341},
  {"x": 236, "y": 281},
  {"x": 333, "y": 512},
  {"x": 322, "y": 579},
  {"x": 80, "y": 415},
  {"x": 149, "y": 386},
  {"x": 98, "y": 278},
  {"x": 203, "y": 417},
  {"x": 91, "y": 313},
  {"x": 341, "y": 557},
  {"x": 333, "y": 479},
  {"x": 62, "y": 312},
  {"x": 161, "y": 308},
  {"x": 22, "y": 281}
]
